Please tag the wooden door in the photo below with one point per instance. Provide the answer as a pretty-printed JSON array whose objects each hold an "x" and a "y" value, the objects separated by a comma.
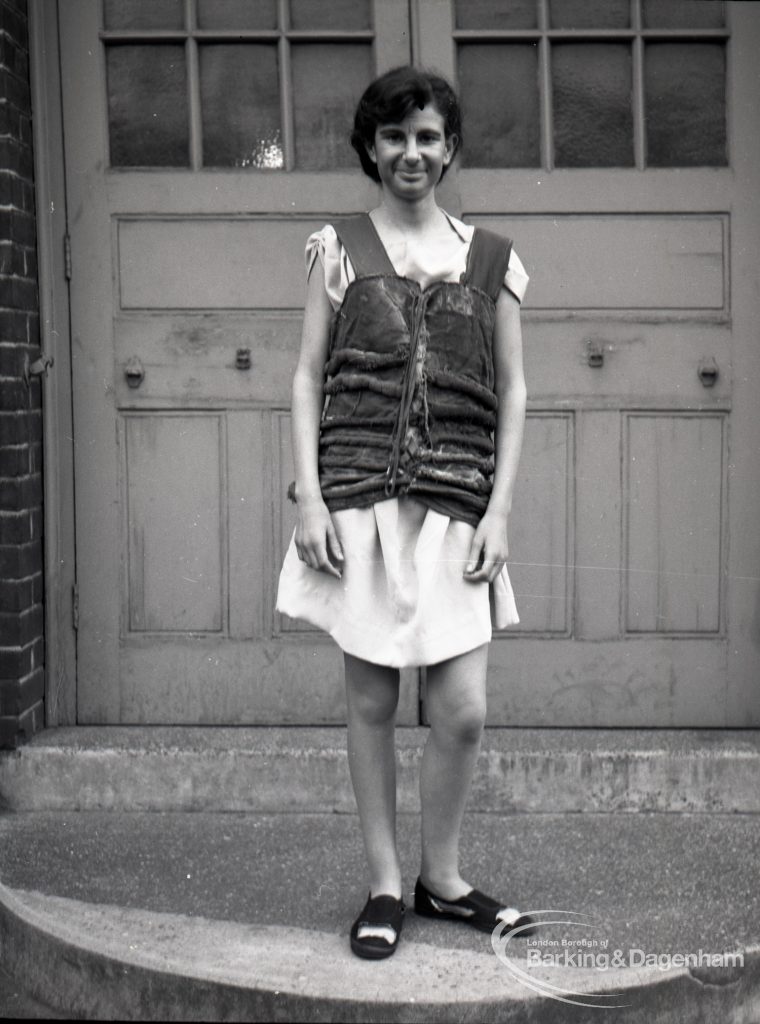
[
  {"x": 204, "y": 140},
  {"x": 617, "y": 143}
]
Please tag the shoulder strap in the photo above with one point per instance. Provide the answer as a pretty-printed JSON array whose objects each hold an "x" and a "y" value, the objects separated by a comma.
[
  {"x": 487, "y": 261},
  {"x": 361, "y": 241}
]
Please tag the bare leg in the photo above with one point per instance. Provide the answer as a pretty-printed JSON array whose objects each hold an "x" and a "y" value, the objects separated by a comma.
[
  {"x": 371, "y": 699},
  {"x": 456, "y": 703}
]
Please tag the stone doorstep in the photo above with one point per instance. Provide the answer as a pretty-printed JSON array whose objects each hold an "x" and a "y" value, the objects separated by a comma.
[
  {"x": 295, "y": 769},
  {"x": 110, "y": 962}
]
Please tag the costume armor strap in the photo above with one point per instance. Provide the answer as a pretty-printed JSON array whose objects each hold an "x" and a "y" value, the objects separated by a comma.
[
  {"x": 360, "y": 239},
  {"x": 487, "y": 262}
]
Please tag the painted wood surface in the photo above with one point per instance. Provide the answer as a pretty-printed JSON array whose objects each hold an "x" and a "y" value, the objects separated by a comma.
[
  {"x": 634, "y": 570},
  {"x": 592, "y": 262},
  {"x": 674, "y": 471},
  {"x": 180, "y": 525},
  {"x": 174, "y": 473}
]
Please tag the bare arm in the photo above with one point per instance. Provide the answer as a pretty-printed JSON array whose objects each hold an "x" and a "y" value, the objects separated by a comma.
[
  {"x": 489, "y": 545},
  {"x": 316, "y": 538}
]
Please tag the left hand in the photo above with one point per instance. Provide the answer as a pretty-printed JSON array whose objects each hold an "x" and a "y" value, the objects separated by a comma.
[{"x": 489, "y": 549}]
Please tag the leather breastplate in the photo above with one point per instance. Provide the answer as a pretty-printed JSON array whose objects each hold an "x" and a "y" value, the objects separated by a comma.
[{"x": 410, "y": 406}]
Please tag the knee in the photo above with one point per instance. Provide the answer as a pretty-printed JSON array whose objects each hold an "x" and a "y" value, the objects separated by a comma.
[
  {"x": 373, "y": 708},
  {"x": 463, "y": 724},
  {"x": 372, "y": 694}
]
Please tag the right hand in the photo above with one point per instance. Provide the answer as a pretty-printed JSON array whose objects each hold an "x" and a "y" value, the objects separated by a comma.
[{"x": 317, "y": 542}]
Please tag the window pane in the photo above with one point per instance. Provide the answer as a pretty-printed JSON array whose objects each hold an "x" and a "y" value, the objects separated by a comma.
[
  {"x": 495, "y": 14},
  {"x": 240, "y": 105},
  {"x": 253, "y": 14},
  {"x": 589, "y": 13},
  {"x": 685, "y": 97},
  {"x": 144, "y": 14},
  {"x": 593, "y": 118},
  {"x": 340, "y": 14},
  {"x": 147, "y": 106},
  {"x": 499, "y": 94},
  {"x": 683, "y": 14},
  {"x": 328, "y": 80}
]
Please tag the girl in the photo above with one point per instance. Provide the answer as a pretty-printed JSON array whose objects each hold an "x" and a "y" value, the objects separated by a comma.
[{"x": 404, "y": 476}]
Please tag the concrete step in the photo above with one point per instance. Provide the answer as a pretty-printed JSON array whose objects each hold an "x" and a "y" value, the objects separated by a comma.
[
  {"x": 137, "y": 768},
  {"x": 240, "y": 916}
]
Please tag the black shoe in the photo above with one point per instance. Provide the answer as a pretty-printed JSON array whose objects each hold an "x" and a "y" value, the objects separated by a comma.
[
  {"x": 475, "y": 909},
  {"x": 384, "y": 915}
]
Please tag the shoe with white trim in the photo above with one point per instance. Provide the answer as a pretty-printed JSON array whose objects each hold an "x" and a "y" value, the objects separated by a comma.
[
  {"x": 475, "y": 909},
  {"x": 377, "y": 929}
]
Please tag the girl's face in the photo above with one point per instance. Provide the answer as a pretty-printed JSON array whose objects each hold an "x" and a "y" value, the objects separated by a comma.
[{"x": 410, "y": 156}]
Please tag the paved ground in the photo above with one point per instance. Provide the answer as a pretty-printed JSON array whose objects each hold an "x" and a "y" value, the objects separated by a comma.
[
  {"x": 17, "y": 1004},
  {"x": 662, "y": 883}
]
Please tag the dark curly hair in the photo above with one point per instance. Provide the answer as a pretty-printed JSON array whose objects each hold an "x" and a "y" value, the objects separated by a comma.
[{"x": 391, "y": 97}]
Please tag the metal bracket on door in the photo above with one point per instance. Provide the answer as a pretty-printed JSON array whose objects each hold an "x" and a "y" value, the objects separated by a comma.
[
  {"x": 594, "y": 353},
  {"x": 243, "y": 359},
  {"x": 708, "y": 372},
  {"x": 134, "y": 371}
]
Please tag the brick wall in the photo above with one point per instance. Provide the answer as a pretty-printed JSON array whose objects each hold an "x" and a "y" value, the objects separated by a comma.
[{"x": 21, "y": 568}]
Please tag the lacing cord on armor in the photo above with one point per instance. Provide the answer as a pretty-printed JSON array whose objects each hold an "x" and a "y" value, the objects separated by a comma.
[
  {"x": 426, "y": 407},
  {"x": 400, "y": 428},
  {"x": 405, "y": 401}
]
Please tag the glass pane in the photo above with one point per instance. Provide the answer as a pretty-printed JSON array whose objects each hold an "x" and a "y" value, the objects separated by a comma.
[
  {"x": 495, "y": 14},
  {"x": 340, "y": 14},
  {"x": 147, "y": 106},
  {"x": 593, "y": 118},
  {"x": 252, "y": 14},
  {"x": 240, "y": 105},
  {"x": 685, "y": 97},
  {"x": 683, "y": 14},
  {"x": 328, "y": 80},
  {"x": 140, "y": 14},
  {"x": 498, "y": 88},
  {"x": 589, "y": 13}
]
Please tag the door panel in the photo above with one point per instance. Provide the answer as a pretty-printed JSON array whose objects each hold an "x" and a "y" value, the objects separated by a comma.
[
  {"x": 632, "y": 262},
  {"x": 541, "y": 572},
  {"x": 674, "y": 523},
  {"x": 240, "y": 263},
  {"x": 174, "y": 474},
  {"x": 574, "y": 683}
]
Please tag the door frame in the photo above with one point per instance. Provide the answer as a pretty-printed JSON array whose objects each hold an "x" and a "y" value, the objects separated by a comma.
[
  {"x": 55, "y": 337},
  {"x": 59, "y": 598}
]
